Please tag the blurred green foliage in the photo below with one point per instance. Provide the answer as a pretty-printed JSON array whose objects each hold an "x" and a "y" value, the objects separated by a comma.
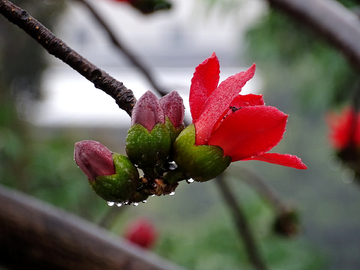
[{"x": 292, "y": 56}]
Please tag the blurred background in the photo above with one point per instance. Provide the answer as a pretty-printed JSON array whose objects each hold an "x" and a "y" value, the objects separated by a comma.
[{"x": 45, "y": 107}]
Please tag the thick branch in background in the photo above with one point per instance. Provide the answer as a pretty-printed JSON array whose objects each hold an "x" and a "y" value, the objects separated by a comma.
[
  {"x": 34, "y": 235},
  {"x": 124, "y": 97},
  {"x": 330, "y": 19}
]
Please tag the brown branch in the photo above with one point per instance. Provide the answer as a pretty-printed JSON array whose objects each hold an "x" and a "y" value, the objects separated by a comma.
[
  {"x": 331, "y": 20},
  {"x": 241, "y": 224},
  {"x": 124, "y": 97},
  {"x": 126, "y": 51},
  {"x": 34, "y": 235}
]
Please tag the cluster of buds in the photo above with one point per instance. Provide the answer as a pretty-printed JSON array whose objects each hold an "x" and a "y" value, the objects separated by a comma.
[{"x": 226, "y": 127}]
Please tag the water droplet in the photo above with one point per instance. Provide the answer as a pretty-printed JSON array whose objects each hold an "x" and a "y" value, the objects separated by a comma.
[
  {"x": 136, "y": 204},
  {"x": 152, "y": 195},
  {"x": 172, "y": 165},
  {"x": 118, "y": 204},
  {"x": 126, "y": 202},
  {"x": 144, "y": 201},
  {"x": 348, "y": 176},
  {"x": 172, "y": 193},
  {"x": 189, "y": 181},
  {"x": 110, "y": 203}
]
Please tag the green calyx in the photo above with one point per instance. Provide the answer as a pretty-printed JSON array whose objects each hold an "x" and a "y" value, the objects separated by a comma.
[
  {"x": 118, "y": 187},
  {"x": 148, "y": 150},
  {"x": 199, "y": 162},
  {"x": 173, "y": 131}
]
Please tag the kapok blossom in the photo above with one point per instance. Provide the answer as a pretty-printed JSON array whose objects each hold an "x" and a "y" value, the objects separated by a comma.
[
  {"x": 344, "y": 129},
  {"x": 141, "y": 232},
  {"x": 242, "y": 125}
]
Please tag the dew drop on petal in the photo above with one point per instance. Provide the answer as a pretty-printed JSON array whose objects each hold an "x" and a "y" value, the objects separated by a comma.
[{"x": 110, "y": 203}]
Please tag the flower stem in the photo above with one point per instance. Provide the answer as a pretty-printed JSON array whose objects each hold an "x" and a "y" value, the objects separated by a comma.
[{"x": 241, "y": 224}]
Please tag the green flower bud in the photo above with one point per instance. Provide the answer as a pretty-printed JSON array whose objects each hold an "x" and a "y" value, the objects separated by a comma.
[
  {"x": 148, "y": 149},
  {"x": 199, "y": 162},
  {"x": 120, "y": 186}
]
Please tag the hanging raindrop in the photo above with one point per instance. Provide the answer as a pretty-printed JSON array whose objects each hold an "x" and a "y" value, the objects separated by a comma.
[
  {"x": 172, "y": 193},
  {"x": 136, "y": 204},
  {"x": 144, "y": 201},
  {"x": 118, "y": 204},
  {"x": 110, "y": 203},
  {"x": 172, "y": 165},
  {"x": 189, "y": 181}
]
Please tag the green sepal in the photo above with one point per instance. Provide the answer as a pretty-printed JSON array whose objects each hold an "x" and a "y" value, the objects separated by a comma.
[
  {"x": 199, "y": 162},
  {"x": 173, "y": 131},
  {"x": 118, "y": 187},
  {"x": 148, "y": 149}
]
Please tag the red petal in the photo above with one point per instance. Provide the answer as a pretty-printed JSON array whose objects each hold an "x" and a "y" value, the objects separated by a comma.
[
  {"x": 219, "y": 102},
  {"x": 281, "y": 159},
  {"x": 203, "y": 83},
  {"x": 239, "y": 102},
  {"x": 247, "y": 100},
  {"x": 250, "y": 131}
]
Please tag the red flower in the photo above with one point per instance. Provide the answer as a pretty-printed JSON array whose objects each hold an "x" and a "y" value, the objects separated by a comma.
[
  {"x": 241, "y": 125},
  {"x": 344, "y": 129},
  {"x": 141, "y": 232}
]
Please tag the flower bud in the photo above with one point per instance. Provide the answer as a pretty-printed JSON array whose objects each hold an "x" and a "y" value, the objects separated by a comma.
[
  {"x": 141, "y": 233},
  {"x": 202, "y": 162},
  {"x": 148, "y": 142},
  {"x": 94, "y": 159},
  {"x": 148, "y": 111},
  {"x": 112, "y": 176},
  {"x": 174, "y": 110}
]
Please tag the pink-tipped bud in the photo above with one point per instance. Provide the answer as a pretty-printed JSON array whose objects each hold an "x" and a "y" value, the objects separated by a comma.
[
  {"x": 141, "y": 232},
  {"x": 173, "y": 107},
  {"x": 94, "y": 159},
  {"x": 148, "y": 111}
]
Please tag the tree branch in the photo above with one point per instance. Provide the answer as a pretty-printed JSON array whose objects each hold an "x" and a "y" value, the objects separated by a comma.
[
  {"x": 330, "y": 19},
  {"x": 124, "y": 97},
  {"x": 38, "y": 236},
  {"x": 126, "y": 51},
  {"x": 241, "y": 224}
]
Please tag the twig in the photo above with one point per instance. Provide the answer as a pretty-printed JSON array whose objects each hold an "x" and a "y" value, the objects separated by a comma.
[
  {"x": 331, "y": 20},
  {"x": 126, "y": 51},
  {"x": 34, "y": 235},
  {"x": 265, "y": 191},
  {"x": 241, "y": 224},
  {"x": 124, "y": 97}
]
